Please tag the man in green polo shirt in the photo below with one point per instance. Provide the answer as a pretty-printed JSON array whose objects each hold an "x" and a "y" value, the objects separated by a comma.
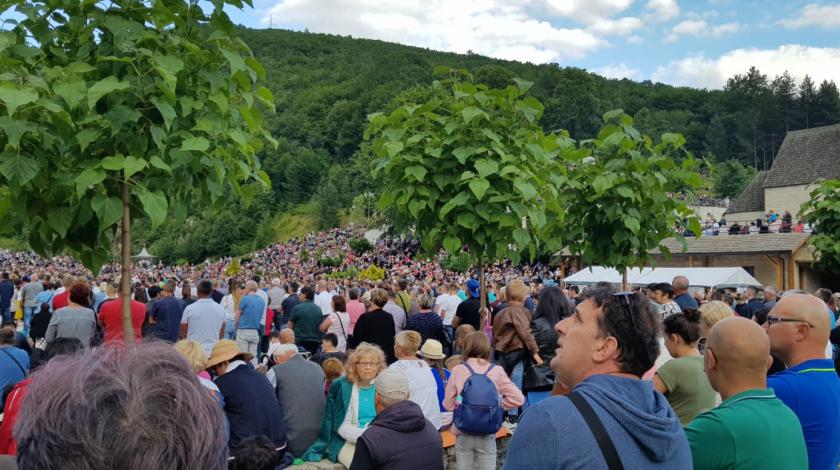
[
  {"x": 305, "y": 320},
  {"x": 751, "y": 428}
]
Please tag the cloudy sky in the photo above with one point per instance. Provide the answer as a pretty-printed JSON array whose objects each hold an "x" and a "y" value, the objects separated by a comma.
[{"x": 682, "y": 42}]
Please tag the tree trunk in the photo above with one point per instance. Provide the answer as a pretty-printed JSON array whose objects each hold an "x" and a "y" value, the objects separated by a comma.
[
  {"x": 125, "y": 268},
  {"x": 482, "y": 289},
  {"x": 624, "y": 285}
]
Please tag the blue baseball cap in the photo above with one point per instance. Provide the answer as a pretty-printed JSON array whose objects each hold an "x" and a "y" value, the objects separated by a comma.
[{"x": 473, "y": 288}]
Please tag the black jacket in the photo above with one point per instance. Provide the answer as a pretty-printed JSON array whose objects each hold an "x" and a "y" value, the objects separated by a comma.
[
  {"x": 251, "y": 406},
  {"x": 376, "y": 327},
  {"x": 399, "y": 438}
]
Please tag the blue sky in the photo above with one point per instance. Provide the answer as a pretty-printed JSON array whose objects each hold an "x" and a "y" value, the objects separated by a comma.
[{"x": 683, "y": 42}]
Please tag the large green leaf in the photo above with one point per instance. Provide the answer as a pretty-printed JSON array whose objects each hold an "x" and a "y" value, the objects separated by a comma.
[
  {"x": 59, "y": 219},
  {"x": 86, "y": 136},
  {"x": 14, "y": 98},
  {"x": 104, "y": 87},
  {"x": 525, "y": 188},
  {"x": 133, "y": 165},
  {"x": 166, "y": 110},
  {"x": 470, "y": 112},
  {"x": 463, "y": 153},
  {"x": 113, "y": 163},
  {"x": 196, "y": 144},
  {"x": 15, "y": 129},
  {"x": 416, "y": 171},
  {"x": 17, "y": 168},
  {"x": 87, "y": 179},
  {"x": 154, "y": 205},
  {"x": 71, "y": 91},
  {"x": 479, "y": 187},
  {"x": 452, "y": 244},
  {"x": 108, "y": 210},
  {"x": 486, "y": 167}
]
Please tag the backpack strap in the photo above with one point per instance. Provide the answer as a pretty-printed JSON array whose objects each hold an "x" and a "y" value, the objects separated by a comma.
[
  {"x": 472, "y": 372},
  {"x": 603, "y": 439}
]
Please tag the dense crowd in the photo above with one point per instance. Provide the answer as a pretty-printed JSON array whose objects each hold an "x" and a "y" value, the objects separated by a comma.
[{"x": 260, "y": 374}]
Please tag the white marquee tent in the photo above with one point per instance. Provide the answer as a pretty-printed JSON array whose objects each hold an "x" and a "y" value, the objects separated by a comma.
[{"x": 697, "y": 277}]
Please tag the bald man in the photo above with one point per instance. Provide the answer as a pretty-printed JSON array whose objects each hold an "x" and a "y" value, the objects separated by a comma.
[
  {"x": 323, "y": 299},
  {"x": 798, "y": 329},
  {"x": 736, "y": 360},
  {"x": 681, "y": 295}
]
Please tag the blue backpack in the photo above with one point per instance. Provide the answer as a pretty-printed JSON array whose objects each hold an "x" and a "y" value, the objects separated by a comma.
[{"x": 480, "y": 411}]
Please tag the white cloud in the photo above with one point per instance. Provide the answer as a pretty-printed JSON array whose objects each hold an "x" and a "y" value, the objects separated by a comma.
[
  {"x": 699, "y": 28},
  {"x": 825, "y": 16},
  {"x": 635, "y": 39},
  {"x": 663, "y": 10},
  {"x": 507, "y": 29},
  {"x": 619, "y": 71},
  {"x": 587, "y": 11},
  {"x": 619, "y": 27},
  {"x": 821, "y": 63}
]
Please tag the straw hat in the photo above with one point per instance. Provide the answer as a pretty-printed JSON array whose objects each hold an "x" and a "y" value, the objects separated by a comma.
[
  {"x": 225, "y": 350},
  {"x": 432, "y": 349}
]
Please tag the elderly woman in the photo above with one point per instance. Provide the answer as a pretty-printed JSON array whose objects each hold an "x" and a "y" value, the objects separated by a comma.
[
  {"x": 350, "y": 407},
  {"x": 421, "y": 382},
  {"x": 75, "y": 320},
  {"x": 428, "y": 323}
]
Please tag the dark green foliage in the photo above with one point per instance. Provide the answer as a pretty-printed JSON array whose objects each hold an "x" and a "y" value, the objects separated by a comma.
[
  {"x": 823, "y": 211},
  {"x": 360, "y": 245},
  {"x": 730, "y": 178}
]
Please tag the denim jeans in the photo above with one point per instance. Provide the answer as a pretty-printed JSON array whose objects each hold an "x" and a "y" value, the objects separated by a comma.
[
  {"x": 475, "y": 452},
  {"x": 230, "y": 329},
  {"x": 28, "y": 312},
  {"x": 6, "y": 314}
]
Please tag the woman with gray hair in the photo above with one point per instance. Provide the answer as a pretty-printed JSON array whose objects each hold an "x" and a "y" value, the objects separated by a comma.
[
  {"x": 428, "y": 323},
  {"x": 120, "y": 408}
]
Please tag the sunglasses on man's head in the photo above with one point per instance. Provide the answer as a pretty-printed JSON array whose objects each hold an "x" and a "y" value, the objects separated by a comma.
[{"x": 626, "y": 296}]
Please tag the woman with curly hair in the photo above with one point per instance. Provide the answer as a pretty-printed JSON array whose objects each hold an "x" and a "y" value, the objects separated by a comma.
[{"x": 350, "y": 406}]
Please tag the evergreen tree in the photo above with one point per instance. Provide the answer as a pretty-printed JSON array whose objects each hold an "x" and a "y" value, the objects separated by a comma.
[
  {"x": 828, "y": 104},
  {"x": 807, "y": 101}
]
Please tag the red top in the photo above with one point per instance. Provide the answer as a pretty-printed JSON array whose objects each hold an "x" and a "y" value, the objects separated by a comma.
[
  {"x": 60, "y": 300},
  {"x": 110, "y": 314},
  {"x": 8, "y": 446}
]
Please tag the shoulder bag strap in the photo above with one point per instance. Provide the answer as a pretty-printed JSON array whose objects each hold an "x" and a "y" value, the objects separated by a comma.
[
  {"x": 342, "y": 326},
  {"x": 597, "y": 427},
  {"x": 22, "y": 370}
]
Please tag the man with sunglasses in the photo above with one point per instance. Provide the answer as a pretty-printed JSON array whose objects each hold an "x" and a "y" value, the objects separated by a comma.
[
  {"x": 612, "y": 418},
  {"x": 798, "y": 330}
]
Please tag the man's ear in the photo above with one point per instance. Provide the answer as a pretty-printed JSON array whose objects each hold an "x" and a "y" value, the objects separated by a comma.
[{"x": 606, "y": 350}]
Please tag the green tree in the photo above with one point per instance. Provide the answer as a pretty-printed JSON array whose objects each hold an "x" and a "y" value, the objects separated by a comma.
[
  {"x": 822, "y": 210},
  {"x": 466, "y": 167},
  {"x": 807, "y": 100},
  {"x": 731, "y": 177},
  {"x": 621, "y": 195},
  {"x": 118, "y": 110}
]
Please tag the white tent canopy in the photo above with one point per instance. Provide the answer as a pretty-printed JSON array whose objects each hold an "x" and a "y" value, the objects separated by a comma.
[{"x": 697, "y": 277}]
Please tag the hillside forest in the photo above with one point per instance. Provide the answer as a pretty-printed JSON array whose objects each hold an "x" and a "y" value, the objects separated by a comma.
[{"x": 326, "y": 85}]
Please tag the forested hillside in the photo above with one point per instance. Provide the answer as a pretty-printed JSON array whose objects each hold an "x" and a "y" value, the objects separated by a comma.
[{"x": 326, "y": 85}]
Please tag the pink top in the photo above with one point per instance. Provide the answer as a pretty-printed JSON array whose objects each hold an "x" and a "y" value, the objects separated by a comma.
[
  {"x": 511, "y": 396},
  {"x": 205, "y": 375},
  {"x": 355, "y": 309}
]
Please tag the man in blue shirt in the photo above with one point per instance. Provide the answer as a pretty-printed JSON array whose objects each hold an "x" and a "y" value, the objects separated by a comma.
[
  {"x": 7, "y": 291},
  {"x": 681, "y": 295},
  {"x": 248, "y": 319},
  {"x": 798, "y": 331},
  {"x": 166, "y": 313},
  {"x": 752, "y": 305}
]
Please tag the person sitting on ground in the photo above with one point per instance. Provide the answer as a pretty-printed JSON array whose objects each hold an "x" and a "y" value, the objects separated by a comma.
[
  {"x": 377, "y": 326},
  {"x": 333, "y": 369},
  {"x": 75, "y": 320},
  {"x": 14, "y": 399},
  {"x": 350, "y": 406},
  {"x": 682, "y": 379},
  {"x": 737, "y": 356},
  {"x": 472, "y": 450},
  {"x": 329, "y": 349},
  {"x": 399, "y": 436},
  {"x": 418, "y": 373},
  {"x": 250, "y": 402},
  {"x": 298, "y": 384},
  {"x": 798, "y": 330},
  {"x": 604, "y": 348},
  {"x": 120, "y": 408}
]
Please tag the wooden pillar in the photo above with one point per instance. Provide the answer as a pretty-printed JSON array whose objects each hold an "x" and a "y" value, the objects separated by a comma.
[
  {"x": 690, "y": 261},
  {"x": 778, "y": 267},
  {"x": 793, "y": 281},
  {"x": 706, "y": 262}
]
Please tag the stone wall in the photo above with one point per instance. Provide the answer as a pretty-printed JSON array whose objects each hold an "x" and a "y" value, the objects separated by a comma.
[
  {"x": 448, "y": 458},
  {"x": 785, "y": 198}
]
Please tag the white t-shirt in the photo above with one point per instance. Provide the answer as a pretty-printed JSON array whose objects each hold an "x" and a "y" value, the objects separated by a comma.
[
  {"x": 324, "y": 300},
  {"x": 339, "y": 329},
  {"x": 204, "y": 319},
  {"x": 422, "y": 387},
  {"x": 449, "y": 304}
]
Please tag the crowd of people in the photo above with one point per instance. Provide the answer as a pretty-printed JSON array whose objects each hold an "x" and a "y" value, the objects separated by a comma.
[
  {"x": 772, "y": 222},
  {"x": 252, "y": 373}
]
